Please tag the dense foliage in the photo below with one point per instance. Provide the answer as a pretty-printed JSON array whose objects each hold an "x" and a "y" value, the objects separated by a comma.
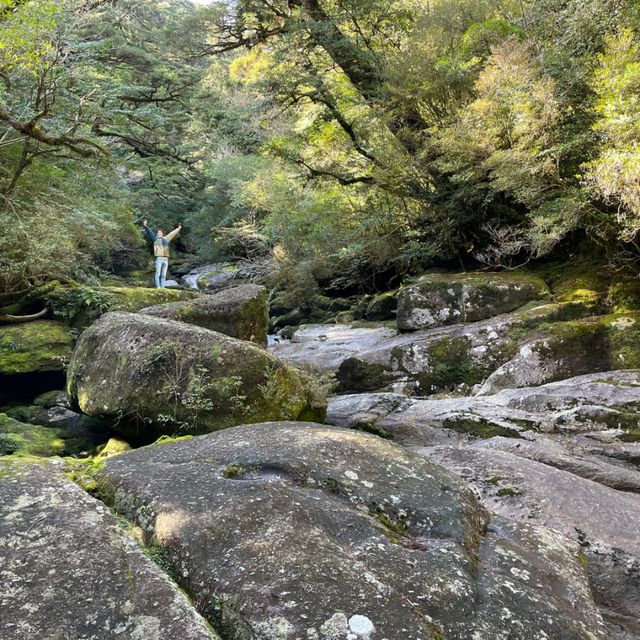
[{"x": 332, "y": 144}]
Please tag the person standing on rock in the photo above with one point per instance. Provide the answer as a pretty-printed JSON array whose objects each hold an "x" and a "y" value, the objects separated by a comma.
[{"x": 161, "y": 251}]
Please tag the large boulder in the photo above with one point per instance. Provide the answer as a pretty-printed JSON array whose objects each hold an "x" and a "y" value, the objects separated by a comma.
[
  {"x": 567, "y": 349},
  {"x": 383, "y": 306},
  {"x": 42, "y": 346},
  {"x": 151, "y": 376},
  {"x": 240, "y": 312},
  {"x": 290, "y": 530},
  {"x": 439, "y": 299},
  {"x": 69, "y": 570}
]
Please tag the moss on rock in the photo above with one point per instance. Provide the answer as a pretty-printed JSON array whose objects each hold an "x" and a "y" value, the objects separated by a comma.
[
  {"x": 80, "y": 306},
  {"x": 383, "y": 306},
  {"x": 34, "y": 347},
  {"x": 240, "y": 312},
  {"x": 593, "y": 284},
  {"x": 50, "y": 399},
  {"x": 566, "y": 349},
  {"x": 440, "y": 299},
  {"x": 19, "y": 438},
  {"x": 576, "y": 282},
  {"x": 157, "y": 376},
  {"x": 479, "y": 427}
]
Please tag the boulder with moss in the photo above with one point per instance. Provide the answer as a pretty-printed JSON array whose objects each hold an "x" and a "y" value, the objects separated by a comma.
[
  {"x": 153, "y": 376},
  {"x": 80, "y": 433},
  {"x": 70, "y": 570},
  {"x": 80, "y": 306},
  {"x": 440, "y": 299},
  {"x": 567, "y": 349},
  {"x": 425, "y": 362},
  {"x": 597, "y": 286},
  {"x": 21, "y": 438},
  {"x": 50, "y": 399},
  {"x": 372, "y": 357},
  {"x": 240, "y": 312},
  {"x": 383, "y": 306},
  {"x": 354, "y": 537},
  {"x": 34, "y": 347}
]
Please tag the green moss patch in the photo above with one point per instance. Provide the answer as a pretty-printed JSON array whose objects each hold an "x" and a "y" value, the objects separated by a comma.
[
  {"x": 81, "y": 306},
  {"x": 479, "y": 428},
  {"x": 22, "y": 439},
  {"x": 34, "y": 347}
]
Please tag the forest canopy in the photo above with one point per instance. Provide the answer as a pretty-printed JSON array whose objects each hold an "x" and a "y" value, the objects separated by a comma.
[{"x": 329, "y": 144}]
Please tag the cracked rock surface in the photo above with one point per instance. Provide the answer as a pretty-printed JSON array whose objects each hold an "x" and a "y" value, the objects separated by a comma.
[{"x": 68, "y": 570}]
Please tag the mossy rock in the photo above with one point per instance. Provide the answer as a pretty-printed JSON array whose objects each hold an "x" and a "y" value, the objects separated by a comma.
[
  {"x": 34, "y": 347},
  {"x": 23, "y": 412},
  {"x": 80, "y": 306},
  {"x": 447, "y": 362},
  {"x": 577, "y": 282},
  {"x": 427, "y": 362},
  {"x": 566, "y": 349},
  {"x": 50, "y": 399},
  {"x": 240, "y": 312},
  {"x": 19, "y": 438},
  {"x": 154, "y": 376},
  {"x": 113, "y": 447},
  {"x": 593, "y": 284},
  {"x": 383, "y": 306},
  {"x": 440, "y": 299},
  {"x": 136, "y": 298},
  {"x": 624, "y": 295},
  {"x": 81, "y": 433}
]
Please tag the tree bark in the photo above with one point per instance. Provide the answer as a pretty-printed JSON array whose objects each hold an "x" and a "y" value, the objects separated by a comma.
[{"x": 358, "y": 65}]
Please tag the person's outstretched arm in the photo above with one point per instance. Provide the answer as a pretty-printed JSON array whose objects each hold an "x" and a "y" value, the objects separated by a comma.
[
  {"x": 149, "y": 230},
  {"x": 174, "y": 233}
]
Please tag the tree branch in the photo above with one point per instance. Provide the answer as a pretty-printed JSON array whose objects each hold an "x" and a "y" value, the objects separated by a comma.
[
  {"x": 345, "y": 181},
  {"x": 82, "y": 146}
]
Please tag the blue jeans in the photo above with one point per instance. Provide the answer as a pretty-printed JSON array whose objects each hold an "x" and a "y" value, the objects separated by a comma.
[{"x": 162, "y": 264}]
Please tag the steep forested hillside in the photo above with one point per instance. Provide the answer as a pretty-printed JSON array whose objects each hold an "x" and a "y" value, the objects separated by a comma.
[{"x": 333, "y": 144}]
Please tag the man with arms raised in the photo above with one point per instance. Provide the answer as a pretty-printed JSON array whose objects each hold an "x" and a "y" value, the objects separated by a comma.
[{"x": 161, "y": 251}]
